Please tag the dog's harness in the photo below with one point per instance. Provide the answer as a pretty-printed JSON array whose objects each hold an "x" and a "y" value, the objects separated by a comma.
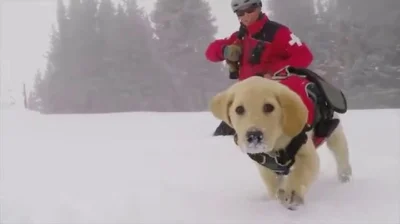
[
  {"x": 281, "y": 160},
  {"x": 326, "y": 99}
]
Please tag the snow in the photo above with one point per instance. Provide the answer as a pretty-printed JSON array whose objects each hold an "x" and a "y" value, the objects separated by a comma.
[{"x": 166, "y": 168}]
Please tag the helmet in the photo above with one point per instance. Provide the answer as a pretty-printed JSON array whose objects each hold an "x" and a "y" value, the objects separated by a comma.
[{"x": 240, "y": 4}]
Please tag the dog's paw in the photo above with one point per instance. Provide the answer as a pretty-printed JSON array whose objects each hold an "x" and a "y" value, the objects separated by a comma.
[
  {"x": 290, "y": 199},
  {"x": 345, "y": 174}
]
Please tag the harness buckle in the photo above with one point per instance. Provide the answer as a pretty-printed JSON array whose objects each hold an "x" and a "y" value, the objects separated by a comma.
[
  {"x": 284, "y": 72},
  {"x": 280, "y": 158}
]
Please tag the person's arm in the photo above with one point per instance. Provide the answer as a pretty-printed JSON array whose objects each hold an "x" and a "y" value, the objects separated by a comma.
[
  {"x": 295, "y": 52},
  {"x": 214, "y": 51}
]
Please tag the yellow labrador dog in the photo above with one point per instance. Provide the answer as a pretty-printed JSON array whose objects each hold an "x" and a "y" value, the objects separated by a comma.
[{"x": 267, "y": 116}]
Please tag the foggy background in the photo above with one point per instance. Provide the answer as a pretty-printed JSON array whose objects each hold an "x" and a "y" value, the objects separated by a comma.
[{"x": 113, "y": 57}]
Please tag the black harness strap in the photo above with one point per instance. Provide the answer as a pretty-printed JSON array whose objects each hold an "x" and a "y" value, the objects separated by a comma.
[
  {"x": 268, "y": 31},
  {"x": 283, "y": 159},
  {"x": 255, "y": 57},
  {"x": 265, "y": 35}
]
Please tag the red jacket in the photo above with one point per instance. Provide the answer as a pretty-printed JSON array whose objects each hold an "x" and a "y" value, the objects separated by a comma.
[{"x": 284, "y": 49}]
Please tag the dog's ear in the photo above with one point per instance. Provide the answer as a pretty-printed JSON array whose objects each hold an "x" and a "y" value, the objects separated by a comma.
[
  {"x": 220, "y": 104},
  {"x": 295, "y": 113}
]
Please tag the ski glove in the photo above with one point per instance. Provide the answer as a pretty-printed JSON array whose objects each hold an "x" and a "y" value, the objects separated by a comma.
[{"x": 232, "y": 52}]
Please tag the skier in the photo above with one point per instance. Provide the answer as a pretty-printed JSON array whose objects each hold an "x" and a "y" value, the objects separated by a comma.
[
  {"x": 261, "y": 46},
  {"x": 269, "y": 49}
]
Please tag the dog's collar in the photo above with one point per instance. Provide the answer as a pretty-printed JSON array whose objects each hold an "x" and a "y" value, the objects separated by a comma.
[{"x": 283, "y": 159}]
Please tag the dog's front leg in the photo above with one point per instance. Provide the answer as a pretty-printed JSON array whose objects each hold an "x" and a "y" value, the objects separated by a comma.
[
  {"x": 270, "y": 180},
  {"x": 300, "y": 178}
]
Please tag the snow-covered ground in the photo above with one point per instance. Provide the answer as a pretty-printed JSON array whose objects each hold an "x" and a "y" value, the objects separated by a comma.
[{"x": 165, "y": 168}]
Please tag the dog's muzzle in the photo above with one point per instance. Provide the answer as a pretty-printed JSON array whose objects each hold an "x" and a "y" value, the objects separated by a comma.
[
  {"x": 254, "y": 142},
  {"x": 254, "y": 137}
]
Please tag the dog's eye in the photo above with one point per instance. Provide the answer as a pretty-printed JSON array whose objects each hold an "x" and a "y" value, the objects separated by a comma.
[
  {"x": 268, "y": 108},
  {"x": 239, "y": 110}
]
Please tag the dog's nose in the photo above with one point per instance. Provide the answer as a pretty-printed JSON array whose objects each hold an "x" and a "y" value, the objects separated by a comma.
[{"x": 254, "y": 136}]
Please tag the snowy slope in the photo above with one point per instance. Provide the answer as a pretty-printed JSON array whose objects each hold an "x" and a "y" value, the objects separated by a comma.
[{"x": 165, "y": 168}]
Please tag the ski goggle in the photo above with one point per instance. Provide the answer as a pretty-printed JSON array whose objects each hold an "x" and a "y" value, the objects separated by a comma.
[{"x": 248, "y": 10}]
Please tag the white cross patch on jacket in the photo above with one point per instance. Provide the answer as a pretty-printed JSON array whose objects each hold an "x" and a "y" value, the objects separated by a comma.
[{"x": 294, "y": 40}]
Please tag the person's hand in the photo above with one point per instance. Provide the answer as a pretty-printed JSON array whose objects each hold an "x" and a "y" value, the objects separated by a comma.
[{"x": 232, "y": 52}]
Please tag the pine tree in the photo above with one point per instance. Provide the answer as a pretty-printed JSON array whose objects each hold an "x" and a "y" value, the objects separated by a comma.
[
  {"x": 72, "y": 59},
  {"x": 34, "y": 98},
  {"x": 368, "y": 52},
  {"x": 127, "y": 53},
  {"x": 52, "y": 85},
  {"x": 145, "y": 80},
  {"x": 89, "y": 65},
  {"x": 106, "y": 23},
  {"x": 106, "y": 96},
  {"x": 184, "y": 30},
  {"x": 129, "y": 74}
]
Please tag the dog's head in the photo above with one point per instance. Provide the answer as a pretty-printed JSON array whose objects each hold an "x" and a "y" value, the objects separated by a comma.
[{"x": 261, "y": 111}]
